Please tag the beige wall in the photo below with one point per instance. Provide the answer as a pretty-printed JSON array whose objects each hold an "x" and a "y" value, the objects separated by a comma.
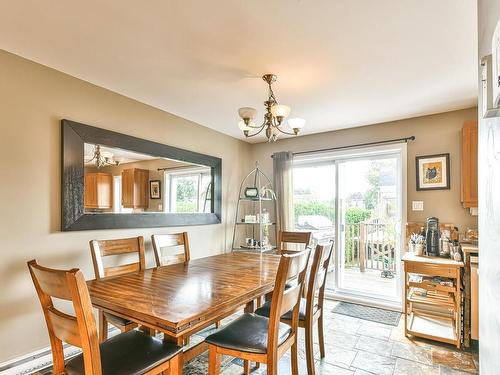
[
  {"x": 434, "y": 134},
  {"x": 33, "y": 100}
]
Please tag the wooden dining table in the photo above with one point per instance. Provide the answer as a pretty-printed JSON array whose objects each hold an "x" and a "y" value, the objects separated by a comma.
[{"x": 182, "y": 299}]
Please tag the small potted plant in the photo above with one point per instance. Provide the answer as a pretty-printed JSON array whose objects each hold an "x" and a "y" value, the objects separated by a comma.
[{"x": 416, "y": 244}]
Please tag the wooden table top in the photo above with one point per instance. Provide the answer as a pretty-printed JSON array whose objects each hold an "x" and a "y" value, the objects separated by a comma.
[
  {"x": 410, "y": 257},
  {"x": 176, "y": 297}
]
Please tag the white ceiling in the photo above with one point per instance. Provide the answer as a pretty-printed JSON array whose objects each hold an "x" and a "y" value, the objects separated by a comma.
[
  {"x": 339, "y": 63},
  {"x": 116, "y": 154}
]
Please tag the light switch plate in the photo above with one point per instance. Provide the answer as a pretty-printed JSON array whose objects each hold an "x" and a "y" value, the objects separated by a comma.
[{"x": 417, "y": 205}]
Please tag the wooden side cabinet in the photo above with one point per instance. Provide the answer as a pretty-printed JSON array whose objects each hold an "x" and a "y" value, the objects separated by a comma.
[
  {"x": 433, "y": 298},
  {"x": 98, "y": 191},
  {"x": 135, "y": 189},
  {"x": 469, "y": 159}
]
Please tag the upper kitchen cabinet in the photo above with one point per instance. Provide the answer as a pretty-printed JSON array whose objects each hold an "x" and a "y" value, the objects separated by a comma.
[
  {"x": 135, "y": 188},
  {"x": 469, "y": 164},
  {"x": 98, "y": 191}
]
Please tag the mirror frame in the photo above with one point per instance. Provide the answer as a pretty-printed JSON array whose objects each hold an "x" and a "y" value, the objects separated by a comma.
[{"x": 73, "y": 216}]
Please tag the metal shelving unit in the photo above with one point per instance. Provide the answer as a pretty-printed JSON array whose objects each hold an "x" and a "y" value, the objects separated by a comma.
[{"x": 265, "y": 232}]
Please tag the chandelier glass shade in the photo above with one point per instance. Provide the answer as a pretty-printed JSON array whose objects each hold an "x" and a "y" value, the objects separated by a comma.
[
  {"x": 101, "y": 158},
  {"x": 274, "y": 117}
]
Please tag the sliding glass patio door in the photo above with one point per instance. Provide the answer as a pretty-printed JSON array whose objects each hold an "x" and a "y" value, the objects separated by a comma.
[{"x": 356, "y": 199}]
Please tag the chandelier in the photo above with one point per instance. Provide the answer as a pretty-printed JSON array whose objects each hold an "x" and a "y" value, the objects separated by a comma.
[
  {"x": 102, "y": 159},
  {"x": 273, "y": 118}
]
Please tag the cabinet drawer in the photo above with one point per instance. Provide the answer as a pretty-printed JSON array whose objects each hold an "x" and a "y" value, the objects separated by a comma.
[{"x": 431, "y": 269}]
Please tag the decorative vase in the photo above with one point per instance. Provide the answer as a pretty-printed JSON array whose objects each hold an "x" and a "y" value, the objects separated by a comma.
[
  {"x": 418, "y": 249},
  {"x": 411, "y": 247}
]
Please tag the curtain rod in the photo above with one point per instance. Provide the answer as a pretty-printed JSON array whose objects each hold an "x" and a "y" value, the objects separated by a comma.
[{"x": 406, "y": 139}]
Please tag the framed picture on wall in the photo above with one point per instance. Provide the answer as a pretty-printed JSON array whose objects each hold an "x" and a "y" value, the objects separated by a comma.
[
  {"x": 433, "y": 172},
  {"x": 155, "y": 189}
]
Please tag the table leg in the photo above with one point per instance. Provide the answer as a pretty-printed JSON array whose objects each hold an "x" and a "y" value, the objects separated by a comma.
[{"x": 179, "y": 341}]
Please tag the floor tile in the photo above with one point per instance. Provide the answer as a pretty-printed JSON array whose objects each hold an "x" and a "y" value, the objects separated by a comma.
[
  {"x": 362, "y": 372},
  {"x": 324, "y": 368},
  {"x": 341, "y": 339},
  {"x": 405, "y": 367},
  {"x": 457, "y": 360},
  {"x": 444, "y": 370},
  {"x": 350, "y": 326},
  {"x": 374, "y": 363},
  {"x": 339, "y": 356},
  {"x": 373, "y": 345},
  {"x": 412, "y": 353},
  {"x": 381, "y": 332}
]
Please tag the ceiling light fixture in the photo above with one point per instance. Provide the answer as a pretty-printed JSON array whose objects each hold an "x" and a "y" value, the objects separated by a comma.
[
  {"x": 273, "y": 118},
  {"x": 101, "y": 159}
]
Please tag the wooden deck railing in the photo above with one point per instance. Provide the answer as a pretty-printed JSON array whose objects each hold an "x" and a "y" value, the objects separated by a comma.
[{"x": 370, "y": 245}]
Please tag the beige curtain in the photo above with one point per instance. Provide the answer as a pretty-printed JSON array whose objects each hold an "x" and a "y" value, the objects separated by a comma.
[{"x": 283, "y": 187}]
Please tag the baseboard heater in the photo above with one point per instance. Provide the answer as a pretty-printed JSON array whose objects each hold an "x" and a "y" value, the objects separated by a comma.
[{"x": 40, "y": 360}]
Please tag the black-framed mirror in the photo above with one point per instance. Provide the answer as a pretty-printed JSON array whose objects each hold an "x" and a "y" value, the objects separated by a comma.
[{"x": 112, "y": 180}]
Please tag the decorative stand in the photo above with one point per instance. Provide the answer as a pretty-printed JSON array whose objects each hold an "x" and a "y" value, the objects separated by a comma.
[{"x": 255, "y": 225}]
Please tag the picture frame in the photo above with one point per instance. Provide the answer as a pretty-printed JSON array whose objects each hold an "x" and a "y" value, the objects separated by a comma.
[
  {"x": 433, "y": 172},
  {"x": 155, "y": 189}
]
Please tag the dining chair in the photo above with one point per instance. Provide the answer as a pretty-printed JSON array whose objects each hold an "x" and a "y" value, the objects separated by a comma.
[
  {"x": 311, "y": 308},
  {"x": 101, "y": 249},
  {"x": 132, "y": 352},
  {"x": 285, "y": 237},
  {"x": 260, "y": 339},
  {"x": 161, "y": 241}
]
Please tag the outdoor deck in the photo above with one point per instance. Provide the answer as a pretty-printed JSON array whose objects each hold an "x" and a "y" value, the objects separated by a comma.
[{"x": 368, "y": 281}]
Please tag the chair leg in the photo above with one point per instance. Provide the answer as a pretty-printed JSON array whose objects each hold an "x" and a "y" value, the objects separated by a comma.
[
  {"x": 246, "y": 367},
  {"x": 217, "y": 324},
  {"x": 103, "y": 327},
  {"x": 213, "y": 361},
  {"x": 272, "y": 367},
  {"x": 309, "y": 348},
  {"x": 321, "y": 336},
  {"x": 175, "y": 365},
  {"x": 295, "y": 358}
]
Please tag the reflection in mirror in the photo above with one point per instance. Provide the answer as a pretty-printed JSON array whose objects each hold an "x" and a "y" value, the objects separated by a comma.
[{"x": 122, "y": 181}]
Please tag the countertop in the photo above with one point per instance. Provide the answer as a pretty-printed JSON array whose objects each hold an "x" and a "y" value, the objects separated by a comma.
[{"x": 469, "y": 248}]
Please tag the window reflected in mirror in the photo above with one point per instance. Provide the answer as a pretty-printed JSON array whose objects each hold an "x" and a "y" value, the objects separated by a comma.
[{"x": 123, "y": 181}]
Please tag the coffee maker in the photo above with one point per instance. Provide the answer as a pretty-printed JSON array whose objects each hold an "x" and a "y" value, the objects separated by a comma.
[{"x": 432, "y": 236}]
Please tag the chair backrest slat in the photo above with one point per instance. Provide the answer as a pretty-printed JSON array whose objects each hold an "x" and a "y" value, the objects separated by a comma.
[
  {"x": 104, "y": 248},
  {"x": 292, "y": 266},
  {"x": 79, "y": 330},
  {"x": 120, "y": 270},
  {"x": 161, "y": 241},
  {"x": 54, "y": 284},
  {"x": 65, "y": 327},
  {"x": 317, "y": 276},
  {"x": 290, "y": 298},
  {"x": 285, "y": 237}
]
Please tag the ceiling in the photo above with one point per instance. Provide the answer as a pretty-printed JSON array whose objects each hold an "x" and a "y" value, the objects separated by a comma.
[
  {"x": 116, "y": 154},
  {"x": 339, "y": 63}
]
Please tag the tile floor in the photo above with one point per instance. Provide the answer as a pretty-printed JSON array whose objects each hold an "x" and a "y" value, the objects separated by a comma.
[{"x": 358, "y": 347}]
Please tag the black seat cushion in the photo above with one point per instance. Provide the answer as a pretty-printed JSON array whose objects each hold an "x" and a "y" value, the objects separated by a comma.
[
  {"x": 248, "y": 333},
  {"x": 114, "y": 319},
  {"x": 265, "y": 310},
  {"x": 130, "y": 353}
]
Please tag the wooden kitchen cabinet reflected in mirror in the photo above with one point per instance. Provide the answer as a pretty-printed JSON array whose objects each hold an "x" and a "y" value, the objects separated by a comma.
[
  {"x": 112, "y": 180},
  {"x": 120, "y": 181}
]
